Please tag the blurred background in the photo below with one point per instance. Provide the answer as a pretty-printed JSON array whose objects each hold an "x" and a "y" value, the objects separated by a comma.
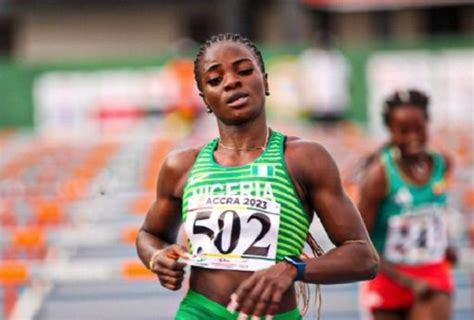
[{"x": 94, "y": 94}]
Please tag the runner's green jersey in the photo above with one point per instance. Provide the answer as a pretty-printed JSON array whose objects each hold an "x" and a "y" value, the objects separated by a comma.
[{"x": 266, "y": 177}]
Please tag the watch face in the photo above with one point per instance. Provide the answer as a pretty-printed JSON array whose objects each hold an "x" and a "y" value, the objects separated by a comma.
[{"x": 294, "y": 259}]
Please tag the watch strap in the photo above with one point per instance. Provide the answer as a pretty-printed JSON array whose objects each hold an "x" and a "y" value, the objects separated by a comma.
[{"x": 299, "y": 264}]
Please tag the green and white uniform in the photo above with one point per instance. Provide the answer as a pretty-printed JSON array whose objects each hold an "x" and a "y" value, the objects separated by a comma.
[
  {"x": 410, "y": 227},
  {"x": 244, "y": 217}
]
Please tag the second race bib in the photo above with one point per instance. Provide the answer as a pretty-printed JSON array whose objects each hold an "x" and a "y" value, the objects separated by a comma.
[{"x": 417, "y": 236}]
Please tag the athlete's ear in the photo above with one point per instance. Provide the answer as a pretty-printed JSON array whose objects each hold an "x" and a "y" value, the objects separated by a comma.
[
  {"x": 265, "y": 84},
  {"x": 208, "y": 107},
  {"x": 203, "y": 98}
]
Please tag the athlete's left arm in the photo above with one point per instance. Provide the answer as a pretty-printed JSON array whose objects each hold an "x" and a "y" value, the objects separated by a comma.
[
  {"x": 452, "y": 254},
  {"x": 449, "y": 166},
  {"x": 354, "y": 258},
  {"x": 317, "y": 175}
]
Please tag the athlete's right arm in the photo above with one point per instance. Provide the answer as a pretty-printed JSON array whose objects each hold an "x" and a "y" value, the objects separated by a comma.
[{"x": 156, "y": 241}]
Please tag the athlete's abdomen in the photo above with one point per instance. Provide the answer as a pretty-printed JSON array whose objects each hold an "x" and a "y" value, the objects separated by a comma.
[{"x": 219, "y": 285}]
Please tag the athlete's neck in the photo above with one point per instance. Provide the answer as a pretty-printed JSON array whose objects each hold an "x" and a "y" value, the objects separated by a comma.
[{"x": 244, "y": 139}]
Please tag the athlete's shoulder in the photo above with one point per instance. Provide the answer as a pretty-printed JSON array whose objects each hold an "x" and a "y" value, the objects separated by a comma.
[
  {"x": 297, "y": 144},
  {"x": 303, "y": 150},
  {"x": 447, "y": 159},
  {"x": 309, "y": 162},
  {"x": 181, "y": 160},
  {"x": 175, "y": 170},
  {"x": 374, "y": 178},
  {"x": 376, "y": 171}
]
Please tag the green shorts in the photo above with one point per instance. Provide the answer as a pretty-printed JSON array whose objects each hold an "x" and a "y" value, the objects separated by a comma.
[{"x": 195, "y": 306}]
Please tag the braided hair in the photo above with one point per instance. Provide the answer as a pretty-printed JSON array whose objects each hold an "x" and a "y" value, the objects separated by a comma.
[
  {"x": 303, "y": 289},
  {"x": 401, "y": 98},
  {"x": 225, "y": 37}
]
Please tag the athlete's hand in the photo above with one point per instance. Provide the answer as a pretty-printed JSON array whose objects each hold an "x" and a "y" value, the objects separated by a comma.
[
  {"x": 452, "y": 255},
  {"x": 169, "y": 270},
  {"x": 261, "y": 293},
  {"x": 422, "y": 290}
]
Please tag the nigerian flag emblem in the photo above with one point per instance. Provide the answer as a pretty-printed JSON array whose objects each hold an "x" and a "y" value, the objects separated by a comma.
[{"x": 262, "y": 170}]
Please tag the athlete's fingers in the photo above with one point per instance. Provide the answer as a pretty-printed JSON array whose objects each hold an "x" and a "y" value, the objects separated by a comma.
[
  {"x": 272, "y": 309},
  {"x": 275, "y": 304},
  {"x": 169, "y": 272},
  {"x": 242, "y": 316},
  {"x": 176, "y": 252},
  {"x": 169, "y": 263},
  {"x": 263, "y": 303},
  {"x": 168, "y": 258},
  {"x": 170, "y": 281},
  {"x": 172, "y": 286},
  {"x": 269, "y": 303},
  {"x": 244, "y": 288},
  {"x": 233, "y": 304},
  {"x": 247, "y": 302},
  {"x": 249, "y": 293}
]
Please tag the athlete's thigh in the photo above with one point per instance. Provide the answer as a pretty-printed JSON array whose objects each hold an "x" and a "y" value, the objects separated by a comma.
[
  {"x": 389, "y": 314},
  {"x": 437, "y": 307}
]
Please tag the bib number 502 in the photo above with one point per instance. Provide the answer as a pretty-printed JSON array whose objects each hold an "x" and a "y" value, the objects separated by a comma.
[{"x": 233, "y": 231}]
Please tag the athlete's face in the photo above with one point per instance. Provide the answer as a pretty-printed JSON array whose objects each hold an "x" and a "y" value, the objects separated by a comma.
[
  {"x": 408, "y": 127},
  {"x": 233, "y": 85}
]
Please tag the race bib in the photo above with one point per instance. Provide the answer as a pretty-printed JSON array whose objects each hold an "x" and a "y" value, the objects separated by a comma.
[
  {"x": 232, "y": 232},
  {"x": 417, "y": 236}
]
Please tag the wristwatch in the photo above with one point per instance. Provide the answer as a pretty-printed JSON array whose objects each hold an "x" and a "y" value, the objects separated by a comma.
[{"x": 299, "y": 264}]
